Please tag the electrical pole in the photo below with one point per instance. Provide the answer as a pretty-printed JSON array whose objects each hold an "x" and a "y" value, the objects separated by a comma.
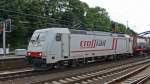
[
  {"x": 127, "y": 24},
  {"x": 127, "y": 27},
  {"x": 4, "y": 39}
]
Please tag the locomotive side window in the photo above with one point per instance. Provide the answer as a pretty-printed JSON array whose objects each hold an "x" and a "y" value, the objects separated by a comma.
[{"x": 58, "y": 37}]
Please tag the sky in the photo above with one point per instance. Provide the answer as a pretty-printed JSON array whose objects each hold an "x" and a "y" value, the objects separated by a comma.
[{"x": 135, "y": 12}]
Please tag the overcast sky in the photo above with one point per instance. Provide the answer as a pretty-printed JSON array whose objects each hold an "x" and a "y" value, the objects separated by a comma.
[{"x": 136, "y": 12}]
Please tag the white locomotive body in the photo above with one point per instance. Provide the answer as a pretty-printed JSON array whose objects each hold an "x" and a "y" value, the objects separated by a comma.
[{"x": 52, "y": 45}]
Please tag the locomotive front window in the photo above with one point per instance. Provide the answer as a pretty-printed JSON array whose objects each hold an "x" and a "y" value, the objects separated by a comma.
[
  {"x": 38, "y": 36},
  {"x": 42, "y": 36}
]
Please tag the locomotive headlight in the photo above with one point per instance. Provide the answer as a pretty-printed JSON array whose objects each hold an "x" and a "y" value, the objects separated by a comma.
[
  {"x": 28, "y": 53},
  {"x": 40, "y": 54}
]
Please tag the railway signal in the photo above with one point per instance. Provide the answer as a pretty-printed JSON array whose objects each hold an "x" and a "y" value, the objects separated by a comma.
[
  {"x": 8, "y": 25},
  {"x": 5, "y": 24}
]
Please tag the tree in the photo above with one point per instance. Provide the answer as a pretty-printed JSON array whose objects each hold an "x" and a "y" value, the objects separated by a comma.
[{"x": 29, "y": 15}]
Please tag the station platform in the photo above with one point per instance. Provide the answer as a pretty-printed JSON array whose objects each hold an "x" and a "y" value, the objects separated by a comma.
[{"x": 10, "y": 57}]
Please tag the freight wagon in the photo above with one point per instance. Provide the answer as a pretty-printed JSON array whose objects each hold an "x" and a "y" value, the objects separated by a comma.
[{"x": 140, "y": 44}]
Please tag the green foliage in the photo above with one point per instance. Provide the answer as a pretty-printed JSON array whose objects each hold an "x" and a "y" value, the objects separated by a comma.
[
  {"x": 120, "y": 28},
  {"x": 29, "y": 15}
]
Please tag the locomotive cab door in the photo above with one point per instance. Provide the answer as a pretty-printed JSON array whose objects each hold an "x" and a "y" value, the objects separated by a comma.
[{"x": 65, "y": 45}]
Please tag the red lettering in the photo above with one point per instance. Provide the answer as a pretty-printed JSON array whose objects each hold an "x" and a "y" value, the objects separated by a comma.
[
  {"x": 93, "y": 43},
  {"x": 85, "y": 44},
  {"x": 81, "y": 44},
  {"x": 88, "y": 44}
]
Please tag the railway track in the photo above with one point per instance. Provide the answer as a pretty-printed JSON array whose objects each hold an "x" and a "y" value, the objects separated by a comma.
[
  {"x": 138, "y": 76},
  {"x": 16, "y": 74},
  {"x": 101, "y": 76},
  {"x": 147, "y": 81},
  {"x": 83, "y": 74},
  {"x": 13, "y": 63}
]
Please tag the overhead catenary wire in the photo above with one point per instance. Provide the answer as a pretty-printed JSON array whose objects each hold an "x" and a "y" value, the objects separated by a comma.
[
  {"x": 38, "y": 16},
  {"x": 51, "y": 21}
]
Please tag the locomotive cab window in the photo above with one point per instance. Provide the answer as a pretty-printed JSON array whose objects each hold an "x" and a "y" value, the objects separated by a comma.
[
  {"x": 38, "y": 36},
  {"x": 58, "y": 36}
]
